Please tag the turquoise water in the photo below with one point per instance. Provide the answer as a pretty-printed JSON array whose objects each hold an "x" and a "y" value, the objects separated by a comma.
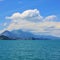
[{"x": 30, "y": 50}]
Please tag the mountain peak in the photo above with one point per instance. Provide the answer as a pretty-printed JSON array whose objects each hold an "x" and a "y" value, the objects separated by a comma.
[{"x": 6, "y": 32}]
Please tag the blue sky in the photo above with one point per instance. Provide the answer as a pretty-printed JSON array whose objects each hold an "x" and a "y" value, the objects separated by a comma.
[{"x": 45, "y": 7}]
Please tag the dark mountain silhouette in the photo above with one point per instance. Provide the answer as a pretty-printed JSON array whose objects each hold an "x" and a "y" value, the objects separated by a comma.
[{"x": 2, "y": 37}]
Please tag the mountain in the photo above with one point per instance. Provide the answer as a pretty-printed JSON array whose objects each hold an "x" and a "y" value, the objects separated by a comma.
[
  {"x": 2, "y": 37},
  {"x": 9, "y": 34},
  {"x": 17, "y": 35},
  {"x": 46, "y": 37},
  {"x": 24, "y": 35}
]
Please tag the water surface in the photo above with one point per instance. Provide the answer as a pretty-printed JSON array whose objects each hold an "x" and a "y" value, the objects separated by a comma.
[{"x": 29, "y": 49}]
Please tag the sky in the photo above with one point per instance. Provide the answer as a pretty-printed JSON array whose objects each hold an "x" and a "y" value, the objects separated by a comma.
[{"x": 36, "y": 16}]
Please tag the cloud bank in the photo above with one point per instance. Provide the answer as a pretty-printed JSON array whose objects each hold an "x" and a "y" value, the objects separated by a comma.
[{"x": 31, "y": 20}]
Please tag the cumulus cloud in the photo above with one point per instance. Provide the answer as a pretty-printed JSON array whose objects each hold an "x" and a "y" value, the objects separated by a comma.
[
  {"x": 50, "y": 18},
  {"x": 31, "y": 20},
  {"x": 29, "y": 15}
]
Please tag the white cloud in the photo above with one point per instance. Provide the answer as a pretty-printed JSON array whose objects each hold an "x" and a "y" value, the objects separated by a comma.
[
  {"x": 29, "y": 15},
  {"x": 50, "y": 18},
  {"x": 33, "y": 21}
]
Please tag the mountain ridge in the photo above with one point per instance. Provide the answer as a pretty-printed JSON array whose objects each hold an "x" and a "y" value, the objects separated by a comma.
[{"x": 24, "y": 35}]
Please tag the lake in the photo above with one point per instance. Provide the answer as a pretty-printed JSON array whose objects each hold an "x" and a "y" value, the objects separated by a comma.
[{"x": 29, "y": 49}]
